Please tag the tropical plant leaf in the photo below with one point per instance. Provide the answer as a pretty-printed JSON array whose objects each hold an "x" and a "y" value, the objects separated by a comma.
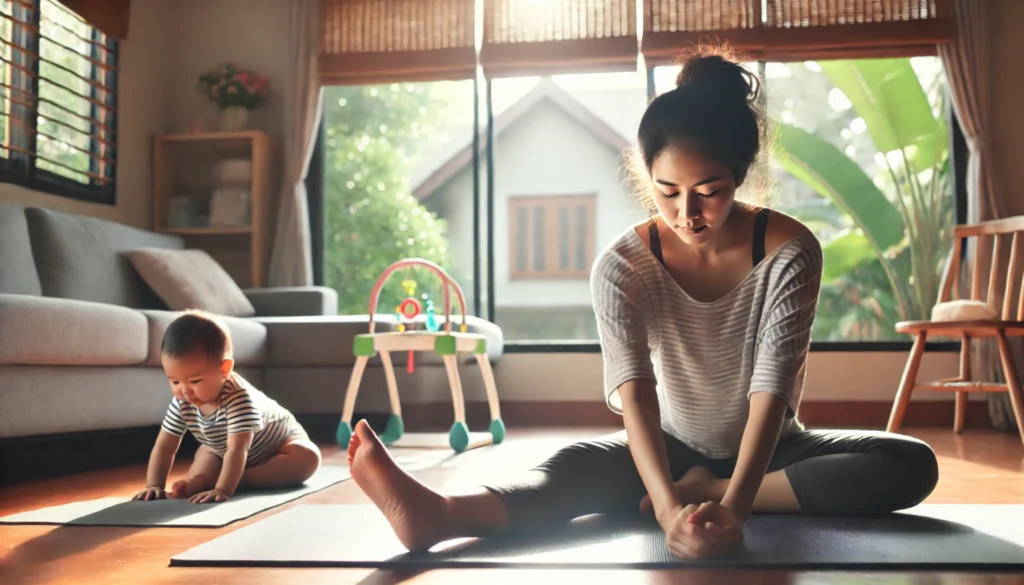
[
  {"x": 820, "y": 165},
  {"x": 888, "y": 95},
  {"x": 844, "y": 254}
]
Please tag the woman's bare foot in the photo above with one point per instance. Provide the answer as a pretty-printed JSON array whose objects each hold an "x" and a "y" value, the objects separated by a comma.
[
  {"x": 695, "y": 487},
  {"x": 417, "y": 514},
  {"x": 186, "y": 488}
]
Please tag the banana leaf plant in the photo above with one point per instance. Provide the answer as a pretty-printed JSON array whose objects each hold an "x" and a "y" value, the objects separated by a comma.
[{"x": 902, "y": 217}]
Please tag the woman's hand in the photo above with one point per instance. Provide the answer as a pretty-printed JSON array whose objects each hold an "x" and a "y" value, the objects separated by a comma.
[{"x": 699, "y": 532}]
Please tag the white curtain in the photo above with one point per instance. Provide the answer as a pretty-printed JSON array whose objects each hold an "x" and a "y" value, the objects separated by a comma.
[
  {"x": 291, "y": 261},
  {"x": 968, "y": 64}
]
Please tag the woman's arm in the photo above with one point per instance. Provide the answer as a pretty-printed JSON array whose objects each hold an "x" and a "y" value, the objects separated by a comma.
[
  {"x": 642, "y": 419},
  {"x": 767, "y": 412}
]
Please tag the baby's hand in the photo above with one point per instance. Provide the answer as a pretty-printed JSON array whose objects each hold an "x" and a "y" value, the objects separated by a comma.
[
  {"x": 209, "y": 497},
  {"x": 150, "y": 493}
]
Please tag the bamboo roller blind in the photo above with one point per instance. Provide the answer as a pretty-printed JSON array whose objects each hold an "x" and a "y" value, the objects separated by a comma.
[
  {"x": 381, "y": 41},
  {"x": 546, "y": 37},
  {"x": 797, "y": 29}
]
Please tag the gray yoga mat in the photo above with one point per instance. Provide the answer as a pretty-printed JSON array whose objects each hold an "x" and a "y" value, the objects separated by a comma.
[
  {"x": 971, "y": 537},
  {"x": 180, "y": 513}
]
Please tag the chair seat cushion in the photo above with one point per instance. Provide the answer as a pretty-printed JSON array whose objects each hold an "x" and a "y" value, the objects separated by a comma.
[
  {"x": 248, "y": 337},
  {"x": 964, "y": 310}
]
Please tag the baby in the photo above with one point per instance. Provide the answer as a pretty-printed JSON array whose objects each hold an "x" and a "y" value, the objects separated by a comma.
[{"x": 246, "y": 438}]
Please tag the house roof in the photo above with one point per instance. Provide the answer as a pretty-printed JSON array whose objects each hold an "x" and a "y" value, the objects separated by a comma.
[{"x": 546, "y": 89}]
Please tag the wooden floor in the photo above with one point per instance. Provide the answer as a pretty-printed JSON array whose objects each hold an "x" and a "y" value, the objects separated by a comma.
[{"x": 977, "y": 467}]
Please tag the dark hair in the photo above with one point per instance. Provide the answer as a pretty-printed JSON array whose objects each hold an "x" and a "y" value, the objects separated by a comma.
[
  {"x": 716, "y": 109},
  {"x": 197, "y": 331}
]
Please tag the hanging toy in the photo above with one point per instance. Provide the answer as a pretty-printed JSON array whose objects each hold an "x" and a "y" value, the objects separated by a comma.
[
  {"x": 410, "y": 309},
  {"x": 432, "y": 324}
]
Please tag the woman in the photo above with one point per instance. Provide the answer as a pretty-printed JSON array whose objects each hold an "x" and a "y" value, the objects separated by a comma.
[{"x": 704, "y": 314}]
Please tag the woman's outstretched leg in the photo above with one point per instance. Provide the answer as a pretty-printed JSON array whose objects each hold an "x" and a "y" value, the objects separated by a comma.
[
  {"x": 420, "y": 516},
  {"x": 588, "y": 477}
]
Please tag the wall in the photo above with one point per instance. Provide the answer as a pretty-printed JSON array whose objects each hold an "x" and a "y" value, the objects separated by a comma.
[
  {"x": 209, "y": 33},
  {"x": 1008, "y": 86},
  {"x": 143, "y": 101}
]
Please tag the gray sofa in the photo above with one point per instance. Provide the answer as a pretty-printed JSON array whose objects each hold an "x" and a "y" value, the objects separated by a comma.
[{"x": 80, "y": 336}]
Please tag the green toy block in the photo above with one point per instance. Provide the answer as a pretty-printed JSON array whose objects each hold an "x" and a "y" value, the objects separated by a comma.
[
  {"x": 344, "y": 434},
  {"x": 394, "y": 430},
  {"x": 363, "y": 346},
  {"x": 444, "y": 345},
  {"x": 481, "y": 346},
  {"x": 497, "y": 430},
  {"x": 458, "y": 437}
]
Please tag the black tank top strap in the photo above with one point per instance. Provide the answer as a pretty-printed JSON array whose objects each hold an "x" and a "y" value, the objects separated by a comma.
[
  {"x": 656, "y": 242},
  {"x": 760, "y": 227}
]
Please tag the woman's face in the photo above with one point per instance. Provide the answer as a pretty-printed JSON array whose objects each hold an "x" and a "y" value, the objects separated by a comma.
[{"x": 694, "y": 194}]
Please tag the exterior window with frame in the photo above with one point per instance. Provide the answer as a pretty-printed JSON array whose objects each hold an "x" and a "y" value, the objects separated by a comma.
[
  {"x": 552, "y": 237},
  {"x": 59, "y": 100}
]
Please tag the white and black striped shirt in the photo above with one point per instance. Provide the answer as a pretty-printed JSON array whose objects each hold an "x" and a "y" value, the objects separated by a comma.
[
  {"x": 707, "y": 357},
  {"x": 242, "y": 408}
]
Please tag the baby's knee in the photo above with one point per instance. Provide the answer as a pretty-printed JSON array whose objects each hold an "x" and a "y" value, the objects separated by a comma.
[{"x": 307, "y": 455}]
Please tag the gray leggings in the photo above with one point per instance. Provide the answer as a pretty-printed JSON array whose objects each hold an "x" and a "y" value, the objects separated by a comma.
[{"x": 861, "y": 473}]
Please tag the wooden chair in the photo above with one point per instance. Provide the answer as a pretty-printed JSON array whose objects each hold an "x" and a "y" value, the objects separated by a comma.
[{"x": 1006, "y": 320}]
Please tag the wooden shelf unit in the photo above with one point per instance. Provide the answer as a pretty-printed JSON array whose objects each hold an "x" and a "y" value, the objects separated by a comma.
[{"x": 183, "y": 167}]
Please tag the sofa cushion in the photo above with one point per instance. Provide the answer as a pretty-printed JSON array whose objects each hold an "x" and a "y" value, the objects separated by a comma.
[
  {"x": 327, "y": 340},
  {"x": 65, "y": 332},
  {"x": 82, "y": 258},
  {"x": 190, "y": 279},
  {"x": 248, "y": 337},
  {"x": 18, "y": 274}
]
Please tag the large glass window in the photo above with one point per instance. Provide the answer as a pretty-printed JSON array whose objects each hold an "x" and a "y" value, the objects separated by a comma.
[
  {"x": 560, "y": 197},
  {"x": 862, "y": 157},
  {"x": 398, "y": 183}
]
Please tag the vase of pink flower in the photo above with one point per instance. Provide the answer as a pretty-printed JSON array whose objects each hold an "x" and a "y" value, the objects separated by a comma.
[{"x": 235, "y": 92}]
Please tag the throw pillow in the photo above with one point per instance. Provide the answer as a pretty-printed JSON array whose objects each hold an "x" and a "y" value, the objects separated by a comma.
[{"x": 190, "y": 279}]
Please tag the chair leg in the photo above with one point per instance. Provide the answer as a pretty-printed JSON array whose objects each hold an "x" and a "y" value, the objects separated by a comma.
[
  {"x": 965, "y": 375},
  {"x": 899, "y": 406},
  {"x": 1012, "y": 382}
]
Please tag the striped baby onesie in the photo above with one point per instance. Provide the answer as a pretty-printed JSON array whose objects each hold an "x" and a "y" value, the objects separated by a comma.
[
  {"x": 242, "y": 408},
  {"x": 706, "y": 358}
]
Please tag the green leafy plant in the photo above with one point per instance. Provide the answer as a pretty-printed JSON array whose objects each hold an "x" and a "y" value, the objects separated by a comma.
[{"x": 903, "y": 214}]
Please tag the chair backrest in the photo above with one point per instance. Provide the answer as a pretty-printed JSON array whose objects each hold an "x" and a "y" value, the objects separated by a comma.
[{"x": 995, "y": 265}]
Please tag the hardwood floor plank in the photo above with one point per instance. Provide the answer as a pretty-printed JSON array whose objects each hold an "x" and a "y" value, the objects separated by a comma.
[{"x": 979, "y": 466}]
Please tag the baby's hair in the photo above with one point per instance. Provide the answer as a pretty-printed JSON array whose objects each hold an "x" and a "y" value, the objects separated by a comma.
[
  {"x": 197, "y": 332},
  {"x": 716, "y": 108}
]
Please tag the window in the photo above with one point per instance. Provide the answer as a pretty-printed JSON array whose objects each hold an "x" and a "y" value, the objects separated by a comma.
[
  {"x": 58, "y": 104},
  {"x": 552, "y": 237},
  {"x": 398, "y": 183},
  {"x": 559, "y": 139}
]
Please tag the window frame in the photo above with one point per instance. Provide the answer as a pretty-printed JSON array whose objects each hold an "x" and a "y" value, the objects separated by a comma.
[
  {"x": 551, "y": 203},
  {"x": 23, "y": 170}
]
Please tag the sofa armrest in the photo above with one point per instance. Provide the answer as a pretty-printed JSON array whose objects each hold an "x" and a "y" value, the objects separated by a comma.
[{"x": 293, "y": 301}]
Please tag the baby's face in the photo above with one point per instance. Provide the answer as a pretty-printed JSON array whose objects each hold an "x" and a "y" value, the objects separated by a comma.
[{"x": 195, "y": 378}]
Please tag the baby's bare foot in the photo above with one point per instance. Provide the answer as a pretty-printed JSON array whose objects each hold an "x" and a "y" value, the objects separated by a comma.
[
  {"x": 695, "y": 487},
  {"x": 416, "y": 513},
  {"x": 186, "y": 488}
]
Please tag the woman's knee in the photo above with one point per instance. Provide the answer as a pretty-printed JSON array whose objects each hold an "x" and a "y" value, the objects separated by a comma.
[{"x": 915, "y": 469}]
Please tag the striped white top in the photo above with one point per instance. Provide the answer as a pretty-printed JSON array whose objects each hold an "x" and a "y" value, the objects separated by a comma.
[
  {"x": 242, "y": 408},
  {"x": 707, "y": 358}
]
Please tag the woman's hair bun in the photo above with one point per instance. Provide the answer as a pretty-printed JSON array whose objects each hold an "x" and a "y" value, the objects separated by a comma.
[{"x": 717, "y": 75}]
